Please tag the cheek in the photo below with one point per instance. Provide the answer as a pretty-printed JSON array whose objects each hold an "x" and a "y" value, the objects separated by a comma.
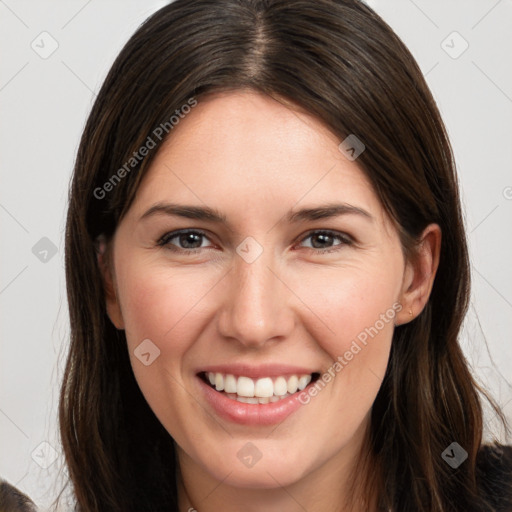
[
  {"x": 159, "y": 305},
  {"x": 163, "y": 306},
  {"x": 358, "y": 314},
  {"x": 359, "y": 303}
]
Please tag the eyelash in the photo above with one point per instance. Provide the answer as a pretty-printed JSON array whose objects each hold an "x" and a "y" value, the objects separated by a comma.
[{"x": 342, "y": 237}]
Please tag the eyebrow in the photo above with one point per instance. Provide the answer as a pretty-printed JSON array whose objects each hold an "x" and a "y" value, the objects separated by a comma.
[
  {"x": 206, "y": 213},
  {"x": 327, "y": 211}
]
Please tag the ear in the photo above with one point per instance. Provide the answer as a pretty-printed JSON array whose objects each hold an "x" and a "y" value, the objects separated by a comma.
[
  {"x": 419, "y": 275},
  {"x": 111, "y": 296}
]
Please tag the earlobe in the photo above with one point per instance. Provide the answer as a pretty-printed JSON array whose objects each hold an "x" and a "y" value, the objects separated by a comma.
[
  {"x": 111, "y": 297},
  {"x": 419, "y": 275}
]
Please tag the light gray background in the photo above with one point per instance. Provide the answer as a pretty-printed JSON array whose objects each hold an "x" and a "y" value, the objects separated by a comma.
[{"x": 44, "y": 103}]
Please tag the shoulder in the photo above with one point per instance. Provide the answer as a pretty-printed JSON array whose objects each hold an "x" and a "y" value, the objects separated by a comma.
[
  {"x": 13, "y": 500},
  {"x": 494, "y": 475}
]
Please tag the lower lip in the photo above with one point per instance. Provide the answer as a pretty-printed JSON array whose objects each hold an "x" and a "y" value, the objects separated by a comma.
[{"x": 252, "y": 414}]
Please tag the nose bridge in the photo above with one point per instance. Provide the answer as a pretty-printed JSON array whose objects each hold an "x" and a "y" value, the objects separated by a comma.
[{"x": 257, "y": 305}]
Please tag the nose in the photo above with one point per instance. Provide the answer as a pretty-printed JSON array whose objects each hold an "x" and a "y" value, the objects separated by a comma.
[{"x": 257, "y": 307}]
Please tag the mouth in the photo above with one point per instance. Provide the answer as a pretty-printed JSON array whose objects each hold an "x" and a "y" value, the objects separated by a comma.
[{"x": 261, "y": 391}]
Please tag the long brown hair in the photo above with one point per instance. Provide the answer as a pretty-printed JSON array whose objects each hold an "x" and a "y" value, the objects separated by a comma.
[{"x": 339, "y": 61}]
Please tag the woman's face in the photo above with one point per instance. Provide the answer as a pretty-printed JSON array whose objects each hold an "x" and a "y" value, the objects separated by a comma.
[{"x": 264, "y": 295}]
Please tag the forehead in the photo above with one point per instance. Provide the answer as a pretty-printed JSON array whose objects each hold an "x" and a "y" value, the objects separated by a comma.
[
  {"x": 241, "y": 150},
  {"x": 249, "y": 121}
]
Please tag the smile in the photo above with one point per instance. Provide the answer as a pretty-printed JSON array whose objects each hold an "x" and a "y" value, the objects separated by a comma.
[{"x": 263, "y": 390}]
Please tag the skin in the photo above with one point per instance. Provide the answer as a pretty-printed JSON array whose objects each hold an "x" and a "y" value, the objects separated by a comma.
[{"x": 254, "y": 159}]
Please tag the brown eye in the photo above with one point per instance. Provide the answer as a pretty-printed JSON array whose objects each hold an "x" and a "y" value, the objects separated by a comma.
[
  {"x": 183, "y": 241},
  {"x": 323, "y": 240}
]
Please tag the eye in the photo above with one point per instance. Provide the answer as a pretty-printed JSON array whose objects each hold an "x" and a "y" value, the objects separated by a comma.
[
  {"x": 190, "y": 240},
  {"x": 320, "y": 238}
]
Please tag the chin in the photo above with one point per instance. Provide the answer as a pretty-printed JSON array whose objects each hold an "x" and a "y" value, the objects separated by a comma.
[
  {"x": 267, "y": 473},
  {"x": 270, "y": 477}
]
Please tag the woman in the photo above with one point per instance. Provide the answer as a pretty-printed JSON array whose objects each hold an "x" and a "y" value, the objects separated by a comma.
[{"x": 261, "y": 368}]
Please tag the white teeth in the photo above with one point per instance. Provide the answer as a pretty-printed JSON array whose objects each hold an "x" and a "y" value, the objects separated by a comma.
[
  {"x": 264, "y": 388},
  {"x": 244, "y": 387},
  {"x": 255, "y": 400},
  {"x": 293, "y": 384},
  {"x": 267, "y": 389},
  {"x": 229, "y": 384},
  {"x": 304, "y": 381},
  {"x": 280, "y": 386},
  {"x": 219, "y": 381}
]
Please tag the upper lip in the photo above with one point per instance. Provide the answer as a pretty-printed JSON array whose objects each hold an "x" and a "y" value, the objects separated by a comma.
[{"x": 255, "y": 372}]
